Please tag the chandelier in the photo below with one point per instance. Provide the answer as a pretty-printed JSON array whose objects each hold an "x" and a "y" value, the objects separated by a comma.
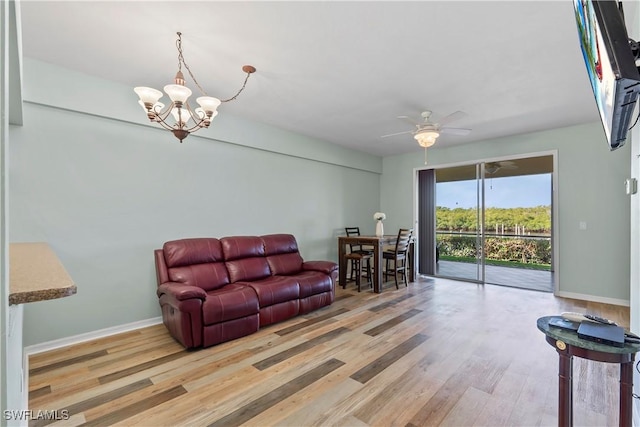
[
  {"x": 426, "y": 138},
  {"x": 186, "y": 119}
]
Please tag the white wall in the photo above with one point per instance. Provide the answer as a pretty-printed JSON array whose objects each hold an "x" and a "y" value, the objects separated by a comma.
[
  {"x": 593, "y": 263},
  {"x": 632, "y": 15},
  {"x": 105, "y": 192},
  {"x": 13, "y": 393},
  {"x": 632, "y": 12},
  {"x": 5, "y": 385}
]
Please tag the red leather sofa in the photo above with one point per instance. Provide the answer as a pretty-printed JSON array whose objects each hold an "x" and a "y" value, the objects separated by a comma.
[{"x": 215, "y": 290}]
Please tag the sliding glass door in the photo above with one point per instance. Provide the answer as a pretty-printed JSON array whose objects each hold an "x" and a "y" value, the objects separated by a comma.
[
  {"x": 459, "y": 217},
  {"x": 488, "y": 222}
]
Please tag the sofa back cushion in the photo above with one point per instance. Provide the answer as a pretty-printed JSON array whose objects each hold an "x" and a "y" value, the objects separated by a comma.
[
  {"x": 197, "y": 262},
  {"x": 244, "y": 258},
  {"x": 282, "y": 254}
]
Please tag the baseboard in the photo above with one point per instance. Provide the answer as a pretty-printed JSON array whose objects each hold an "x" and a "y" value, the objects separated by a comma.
[
  {"x": 101, "y": 333},
  {"x": 593, "y": 298}
]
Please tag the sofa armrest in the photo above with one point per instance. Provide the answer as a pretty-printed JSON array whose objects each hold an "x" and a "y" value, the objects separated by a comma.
[
  {"x": 327, "y": 267},
  {"x": 181, "y": 292}
]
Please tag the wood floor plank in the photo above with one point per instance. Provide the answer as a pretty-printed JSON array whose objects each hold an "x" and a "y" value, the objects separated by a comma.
[
  {"x": 397, "y": 393},
  {"x": 116, "y": 357},
  {"x": 309, "y": 322},
  {"x": 279, "y": 357},
  {"x": 437, "y": 408},
  {"x": 128, "y": 411},
  {"x": 33, "y": 372},
  {"x": 84, "y": 405},
  {"x": 316, "y": 412},
  {"x": 393, "y": 302},
  {"x": 247, "y": 412},
  {"x": 392, "y": 322},
  {"x": 375, "y": 367},
  {"x": 466, "y": 409},
  {"x": 63, "y": 353},
  {"x": 139, "y": 368},
  {"x": 39, "y": 392}
]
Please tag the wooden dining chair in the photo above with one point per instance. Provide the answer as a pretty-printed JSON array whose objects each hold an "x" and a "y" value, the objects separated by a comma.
[
  {"x": 359, "y": 259},
  {"x": 358, "y": 249},
  {"x": 398, "y": 256}
]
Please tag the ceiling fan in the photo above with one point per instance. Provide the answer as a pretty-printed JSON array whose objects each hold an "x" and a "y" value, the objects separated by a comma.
[
  {"x": 493, "y": 167},
  {"x": 427, "y": 132}
]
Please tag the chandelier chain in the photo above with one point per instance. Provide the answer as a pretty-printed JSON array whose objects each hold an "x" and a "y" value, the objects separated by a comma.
[
  {"x": 238, "y": 93},
  {"x": 181, "y": 61}
]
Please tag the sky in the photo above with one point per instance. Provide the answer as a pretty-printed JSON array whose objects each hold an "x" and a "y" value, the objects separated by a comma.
[{"x": 508, "y": 192}]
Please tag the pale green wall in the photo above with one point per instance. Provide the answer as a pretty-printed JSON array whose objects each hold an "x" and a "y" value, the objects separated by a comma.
[
  {"x": 593, "y": 262},
  {"x": 105, "y": 192}
]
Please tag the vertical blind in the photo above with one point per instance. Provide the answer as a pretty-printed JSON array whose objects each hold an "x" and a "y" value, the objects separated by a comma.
[{"x": 427, "y": 221}]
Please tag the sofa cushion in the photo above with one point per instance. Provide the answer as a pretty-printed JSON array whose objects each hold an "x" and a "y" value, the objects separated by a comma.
[
  {"x": 282, "y": 253},
  {"x": 242, "y": 247},
  {"x": 208, "y": 276},
  {"x": 275, "y": 289},
  {"x": 196, "y": 262},
  {"x": 285, "y": 264},
  {"x": 312, "y": 283},
  {"x": 279, "y": 244},
  {"x": 245, "y": 259},
  {"x": 228, "y": 303},
  {"x": 178, "y": 253}
]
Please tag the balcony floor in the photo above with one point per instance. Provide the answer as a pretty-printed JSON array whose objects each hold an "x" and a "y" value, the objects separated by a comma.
[{"x": 506, "y": 276}]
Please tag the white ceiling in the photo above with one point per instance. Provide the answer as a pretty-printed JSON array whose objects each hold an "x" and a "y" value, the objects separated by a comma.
[{"x": 338, "y": 71}]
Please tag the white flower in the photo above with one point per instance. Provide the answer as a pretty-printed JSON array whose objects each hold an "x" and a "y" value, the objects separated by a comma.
[{"x": 379, "y": 216}]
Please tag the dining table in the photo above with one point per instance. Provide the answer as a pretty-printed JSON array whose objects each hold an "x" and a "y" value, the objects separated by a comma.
[{"x": 378, "y": 243}]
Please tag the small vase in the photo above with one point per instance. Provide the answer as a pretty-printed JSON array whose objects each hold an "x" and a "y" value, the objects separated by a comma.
[{"x": 379, "y": 229}]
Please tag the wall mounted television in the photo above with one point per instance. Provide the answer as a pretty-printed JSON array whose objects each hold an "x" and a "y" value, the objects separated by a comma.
[{"x": 611, "y": 64}]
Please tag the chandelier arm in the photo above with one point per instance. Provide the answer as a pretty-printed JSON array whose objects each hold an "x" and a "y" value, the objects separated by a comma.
[
  {"x": 240, "y": 91},
  {"x": 195, "y": 127},
  {"x": 199, "y": 122},
  {"x": 164, "y": 124},
  {"x": 161, "y": 117}
]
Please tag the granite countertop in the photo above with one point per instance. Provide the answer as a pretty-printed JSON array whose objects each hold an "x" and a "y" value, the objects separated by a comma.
[{"x": 36, "y": 274}]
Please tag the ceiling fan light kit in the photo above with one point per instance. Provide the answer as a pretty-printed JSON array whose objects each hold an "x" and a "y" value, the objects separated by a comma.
[
  {"x": 426, "y": 138},
  {"x": 186, "y": 119},
  {"x": 427, "y": 132}
]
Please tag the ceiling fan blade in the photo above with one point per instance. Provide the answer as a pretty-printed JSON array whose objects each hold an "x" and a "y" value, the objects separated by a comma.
[
  {"x": 410, "y": 120},
  {"x": 397, "y": 133},
  {"x": 457, "y": 115},
  {"x": 455, "y": 131}
]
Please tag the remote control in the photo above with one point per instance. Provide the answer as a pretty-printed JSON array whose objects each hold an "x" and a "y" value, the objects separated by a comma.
[
  {"x": 574, "y": 317},
  {"x": 600, "y": 319},
  {"x": 580, "y": 317}
]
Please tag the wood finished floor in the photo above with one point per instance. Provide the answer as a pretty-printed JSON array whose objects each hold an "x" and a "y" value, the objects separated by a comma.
[{"x": 438, "y": 353}]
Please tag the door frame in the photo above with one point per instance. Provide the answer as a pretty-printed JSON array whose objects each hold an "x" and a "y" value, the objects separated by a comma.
[{"x": 555, "y": 244}]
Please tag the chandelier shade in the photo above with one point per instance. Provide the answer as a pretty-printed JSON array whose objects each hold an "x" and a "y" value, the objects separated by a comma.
[
  {"x": 179, "y": 117},
  {"x": 148, "y": 95},
  {"x": 178, "y": 93}
]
